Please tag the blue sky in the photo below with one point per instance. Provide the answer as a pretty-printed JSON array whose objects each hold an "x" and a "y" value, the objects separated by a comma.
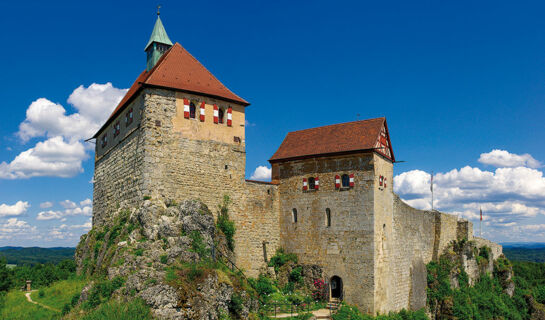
[{"x": 456, "y": 81}]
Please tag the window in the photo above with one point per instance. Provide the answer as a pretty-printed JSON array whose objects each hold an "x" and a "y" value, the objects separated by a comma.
[
  {"x": 294, "y": 215},
  {"x": 220, "y": 115},
  {"x": 117, "y": 129},
  {"x": 104, "y": 140},
  {"x": 128, "y": 117},
  {"x": 311, "y": 183},
  {"x": 192, "y": 110},
  {"x": 345, "y": 181},
  {"x": 327, "y": 217}
]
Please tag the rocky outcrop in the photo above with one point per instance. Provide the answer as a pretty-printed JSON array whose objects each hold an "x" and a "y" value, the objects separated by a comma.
[{"x": 168, "y": 256}]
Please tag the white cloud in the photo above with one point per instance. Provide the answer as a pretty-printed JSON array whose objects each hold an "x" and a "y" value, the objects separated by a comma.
[
  {"x": 16, "y": 209},
  {"x": 49, "y": 215},
  {"x": 46, "y": 204},
  {"x": 261, "y": 173},
  {"x": 248, "y": 124},
  {"x": 86, "y": 202},
  {"x": 502, "y": 158},
  {"x": 508, "y": 195},
  {"x": 16, "y": 228},
  {"x": 67, "y": 204},
  {"x": 70, "y": 209},
  {"x": 86, "y": 226},
  {"x": 53, "y": 157},
  {"x": 62, "y": 153}
]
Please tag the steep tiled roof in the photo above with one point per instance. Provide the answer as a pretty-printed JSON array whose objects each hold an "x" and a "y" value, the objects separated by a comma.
[
  {"x": 333, "y": 139},
  {"x": 178, "y": 69}
]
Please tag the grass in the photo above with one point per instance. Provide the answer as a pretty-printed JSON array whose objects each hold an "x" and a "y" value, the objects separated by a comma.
[
  {"x": 18, "y": 308},
  {"x": 59, "y": 293},
  {"x": 117, "y": 310}
]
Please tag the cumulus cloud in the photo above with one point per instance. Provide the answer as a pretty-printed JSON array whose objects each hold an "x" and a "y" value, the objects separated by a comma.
[
  {"x": 16, "y": 209},
  {"x": 261, "y": 173},
  {"x": 16, "y": 228},
  {"x": 70, "y": 209},
  {"x": 508, "y": 196},
  {"x": 502, "y": 158},
  {"x": 63, "y": 151},
  {"x": 53, "y": 157},
  {"x": 46, "y": 204}
]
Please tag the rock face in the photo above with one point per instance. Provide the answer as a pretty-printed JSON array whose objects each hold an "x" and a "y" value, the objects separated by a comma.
[{"x": 165, "y": 255}]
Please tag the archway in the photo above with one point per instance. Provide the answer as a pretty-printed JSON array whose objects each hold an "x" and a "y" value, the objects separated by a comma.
[{"x": 336, "y": 284}]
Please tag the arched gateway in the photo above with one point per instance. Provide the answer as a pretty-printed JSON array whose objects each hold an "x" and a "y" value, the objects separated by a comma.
[{"x": 336, "y": 285}]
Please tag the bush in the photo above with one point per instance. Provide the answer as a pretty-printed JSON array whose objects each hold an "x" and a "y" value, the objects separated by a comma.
[
  {"x": 264, "y": 285},
  {"x": 102, "y": 291},
  {"x": 235, "y": 305},
  {"x": 41, "y": 293},
  {"x": 116, "y": 310},
  {"x": 163, "y": 259},
  {"x": 197, "y": 244},
  {"x": 296, "y": 275},
  {"x": 225, "y": 224},
  {"x": 138, "y": 252},
  {"x": 281, "y": 258}
]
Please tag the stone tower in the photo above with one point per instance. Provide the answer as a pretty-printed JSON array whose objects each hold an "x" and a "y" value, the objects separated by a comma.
[
  {"x": 177, "y": 134},
  {"x": 336, "y": 203}
]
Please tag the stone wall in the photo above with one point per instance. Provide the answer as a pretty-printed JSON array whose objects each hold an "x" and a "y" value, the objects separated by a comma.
[
  {"x": 345, "y": 248},
  {"x": 118, "y": 172}
]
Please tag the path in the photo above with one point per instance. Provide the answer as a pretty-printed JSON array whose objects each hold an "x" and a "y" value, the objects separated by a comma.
[
  {"x": 27, "y": 295},
  {"x": 319, "y": 314}
]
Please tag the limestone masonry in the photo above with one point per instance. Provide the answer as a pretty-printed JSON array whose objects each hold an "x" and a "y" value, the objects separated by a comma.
[{"x": 180, "y": 134}]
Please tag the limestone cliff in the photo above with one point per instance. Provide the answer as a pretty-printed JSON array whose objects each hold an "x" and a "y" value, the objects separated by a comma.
[{"x": 170, "y": 257}]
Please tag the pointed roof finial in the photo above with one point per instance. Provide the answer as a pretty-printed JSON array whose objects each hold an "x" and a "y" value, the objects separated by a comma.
[
  {"x": 158, "y": 8},
  {"x": 159, "y": 34}
]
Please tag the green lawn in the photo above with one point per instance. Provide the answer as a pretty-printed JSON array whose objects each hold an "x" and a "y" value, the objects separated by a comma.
[
  {"x": 59, "y": 293},
  {"x": 18, "y": 308}
]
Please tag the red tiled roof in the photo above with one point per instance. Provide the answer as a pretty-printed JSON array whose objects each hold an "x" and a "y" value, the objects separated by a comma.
[
  {"x": 178, "y": 69},
  {"x": 333, "y": 139}
]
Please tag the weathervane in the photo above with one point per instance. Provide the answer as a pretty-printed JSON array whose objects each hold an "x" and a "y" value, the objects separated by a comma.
[{"x": 158, "y": 8}]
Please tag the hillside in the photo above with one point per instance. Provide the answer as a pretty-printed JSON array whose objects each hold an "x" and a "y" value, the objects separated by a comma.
[
  {"x": 534, "y": 252},
  {"x": 35, "y": 255}
]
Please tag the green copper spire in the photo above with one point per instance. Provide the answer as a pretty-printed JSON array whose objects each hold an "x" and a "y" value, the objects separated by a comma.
[{"x": 158, "y": 43}]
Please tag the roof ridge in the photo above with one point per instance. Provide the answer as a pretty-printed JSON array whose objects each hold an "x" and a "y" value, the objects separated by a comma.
[{"x": 338, "y": 124}]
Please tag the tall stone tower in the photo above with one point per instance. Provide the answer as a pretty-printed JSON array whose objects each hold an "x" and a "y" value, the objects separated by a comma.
[{"x": 177, "y": 134}]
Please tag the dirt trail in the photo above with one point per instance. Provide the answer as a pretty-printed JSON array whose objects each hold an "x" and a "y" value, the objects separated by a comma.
[{"x": 27, "y": 295}]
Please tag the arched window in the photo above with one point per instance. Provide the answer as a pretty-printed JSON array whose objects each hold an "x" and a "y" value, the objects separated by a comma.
[
  {"x": 294, "y": 215},
  {"x": 220, "y": 115},
  {"x": 345, "y": 181},
  {"x": 327, "y": 217},
  {"x": 311, "y": 183},
  {"x": 192, "y": 110}
]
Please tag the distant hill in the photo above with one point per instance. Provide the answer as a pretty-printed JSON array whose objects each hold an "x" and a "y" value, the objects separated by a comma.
[
  {"x": 524, "y": 251},
  {"x": 34, "y": 255}
]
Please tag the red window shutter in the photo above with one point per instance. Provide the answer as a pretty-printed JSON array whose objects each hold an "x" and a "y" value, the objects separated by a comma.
[
  {"x": 216, "y": 114},
  {"x": 385, "y": 183},
  {"x": 305, "y": 185},
  {"x": 229, "y": 116},
  {"x": 337, "y": 182},
  {"x": 351, "y": 180},
  {"x": 316, "y": 183},
  {"x": 380, "y": 179},
  {"x": 186, "y": 108},
  {"x": 202, "y": 111}
]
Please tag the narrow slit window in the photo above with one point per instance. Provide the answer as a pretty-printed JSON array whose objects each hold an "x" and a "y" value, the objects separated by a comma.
[
  {"x": 327, "y": 217},
  {"x": 294, "y": 215}
]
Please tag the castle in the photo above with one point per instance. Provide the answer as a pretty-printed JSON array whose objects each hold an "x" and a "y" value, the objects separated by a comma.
[{"x": 179, "y": 133}]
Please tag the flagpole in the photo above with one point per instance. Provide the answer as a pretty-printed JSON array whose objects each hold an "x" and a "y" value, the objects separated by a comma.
[
  {"x": 481, "y": 223},
  {"x": 431, "y": 188}
]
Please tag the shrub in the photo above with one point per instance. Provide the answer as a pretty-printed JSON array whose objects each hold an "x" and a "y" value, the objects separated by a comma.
[
  {"x": 296, "y": 275},
  {"x": 235, "y": 305},
  {"x": 225, "y": 224},
  {"x": 147, "y": 197},
  {"x": 41, "y": 293},
  {"x": 264, "y": 285},
  {"x": 116, "y": 310},
  {"x": 197, "y": 244},
  {"x": 319, "y": 292},
  {"x": 163, "y": 259},
  {"x": 281, "y": 258},
  {"x": 138, "y": 252}
]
